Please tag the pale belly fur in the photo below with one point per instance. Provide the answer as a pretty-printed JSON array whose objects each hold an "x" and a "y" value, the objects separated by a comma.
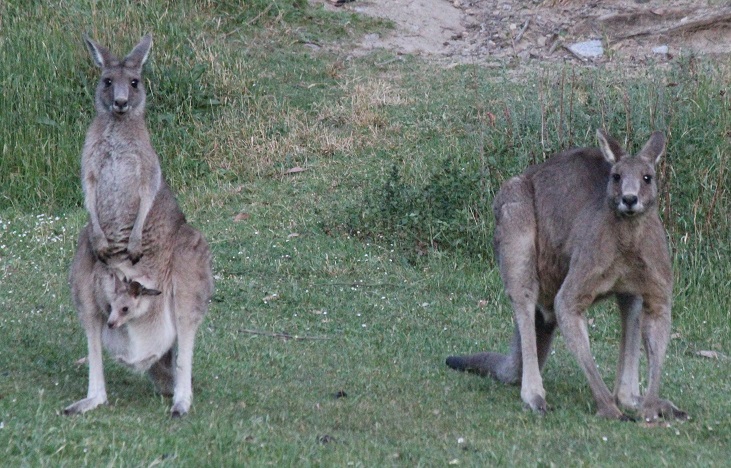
[{"x": 140, "y": 343}]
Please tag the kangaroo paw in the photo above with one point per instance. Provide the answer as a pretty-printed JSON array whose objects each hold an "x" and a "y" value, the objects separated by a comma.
[
  {"x": 103, "y": 254},
  {"x": 134, "y": 256},
  {"x": 87, "y": 404},
  {"x": 179, "y": 410},
  {"x": 538, "y": 405},
  {"x": 613, "y": 412},
  {"x": 665, "y": 409}
]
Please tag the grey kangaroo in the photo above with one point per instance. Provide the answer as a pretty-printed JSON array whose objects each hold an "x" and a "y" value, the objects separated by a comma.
[
  {"x": 138, "y": 234},
  {"x": 578, "y": 228},
  {"x": 120, "y": 171}
]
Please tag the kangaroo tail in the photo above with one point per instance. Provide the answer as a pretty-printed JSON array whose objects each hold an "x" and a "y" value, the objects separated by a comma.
[
  {"x": 502, "y": 367},
  {"x": 468, "y": 363}
]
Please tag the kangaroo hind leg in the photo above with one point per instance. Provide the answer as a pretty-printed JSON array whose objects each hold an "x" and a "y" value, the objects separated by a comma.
[
  {"x": 515, "y": 246},
  {"x": 161, "y": 374},
  {"x": 192, "y": 289},
  {"x": 81, "y": 280},
  {"x": 545, "y": 329},
  {"x": 627, "y": 383}
]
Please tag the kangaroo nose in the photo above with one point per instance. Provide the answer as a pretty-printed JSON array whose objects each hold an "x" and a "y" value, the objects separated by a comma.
[
  {"x": 629, "y": 200},
  {"x": 120, "y": 103}
]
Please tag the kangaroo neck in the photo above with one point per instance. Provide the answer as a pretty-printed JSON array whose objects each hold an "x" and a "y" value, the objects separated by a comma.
[
  {"x": 126, "y": 125},
  {"x": 629, "y": 231}
]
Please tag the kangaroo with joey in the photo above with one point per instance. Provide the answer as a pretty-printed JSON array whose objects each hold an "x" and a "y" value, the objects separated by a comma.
[
  {"x": 580, "y": 227},
  {"x": 137, "y": 234}
]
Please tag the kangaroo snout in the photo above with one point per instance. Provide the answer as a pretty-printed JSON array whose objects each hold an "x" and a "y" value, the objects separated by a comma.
[
  {"x": 629, "y": 200},
  {"x": 120, "y": 106},
  {"x": 629, "y": 205}
]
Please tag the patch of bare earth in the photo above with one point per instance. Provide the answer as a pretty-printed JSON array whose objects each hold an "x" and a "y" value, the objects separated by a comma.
[{"x": 626, "y": 32}]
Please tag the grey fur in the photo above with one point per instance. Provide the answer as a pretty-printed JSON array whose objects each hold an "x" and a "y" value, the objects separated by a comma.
[
  {"x": 573, "y": 230},
  {"x": 136, "y": 234},
  {"x": 120, "y": 171}
]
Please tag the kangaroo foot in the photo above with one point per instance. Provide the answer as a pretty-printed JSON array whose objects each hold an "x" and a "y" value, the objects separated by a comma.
[{"x": 655, "y": 409}]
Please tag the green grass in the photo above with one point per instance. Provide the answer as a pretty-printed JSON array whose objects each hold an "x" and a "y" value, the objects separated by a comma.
[{"x": 378, "y": 253}]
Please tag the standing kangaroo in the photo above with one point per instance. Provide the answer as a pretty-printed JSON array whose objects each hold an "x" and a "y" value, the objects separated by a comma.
[
  {"x": 120, "y": 171},
  {"x": 577, "y": 228},
  {"x": 136, "y": 231}
]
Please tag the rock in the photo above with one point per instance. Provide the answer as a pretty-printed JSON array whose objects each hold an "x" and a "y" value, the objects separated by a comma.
[
  {"x": 588, "y": 49},
  {"x": 662, "y": 50}
]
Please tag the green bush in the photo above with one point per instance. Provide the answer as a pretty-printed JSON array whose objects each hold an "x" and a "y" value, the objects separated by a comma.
[{"x": 446, "y": 211}]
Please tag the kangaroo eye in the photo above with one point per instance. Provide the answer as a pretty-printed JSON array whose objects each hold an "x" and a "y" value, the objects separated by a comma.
[
  {"x": 647, "y": 179},
  {"x": 134, "y": 83},
  {"x": 107, "y": 82},
  {"x": 125, "y": 310},
  {"x": 616, "y": 177}
]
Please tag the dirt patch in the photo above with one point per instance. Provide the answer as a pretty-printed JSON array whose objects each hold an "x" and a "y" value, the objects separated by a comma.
[
  {"x": 422, "y": 26},
  {"x": 628, "y": 32}
]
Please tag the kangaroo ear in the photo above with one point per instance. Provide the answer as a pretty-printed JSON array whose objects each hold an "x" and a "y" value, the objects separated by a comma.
[
  {"x": 135, "y": 289},
  {"x": 610, "y": 148},
  {"x": 118, "y": 284},
  {"x": 654, "y": 148},
  {"x": 150, "y": 292},
  {"x": 139, "y": 54},
  {"x": 99, "y": 54}
]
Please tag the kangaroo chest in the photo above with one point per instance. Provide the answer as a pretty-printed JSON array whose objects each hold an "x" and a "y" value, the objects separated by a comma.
[
  {"x": 598, "y": 265},
  {"x": 117, "y": 194}
]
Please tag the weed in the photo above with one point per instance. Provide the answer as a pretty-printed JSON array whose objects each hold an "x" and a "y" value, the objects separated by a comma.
[{"x": 446, "y": 212}]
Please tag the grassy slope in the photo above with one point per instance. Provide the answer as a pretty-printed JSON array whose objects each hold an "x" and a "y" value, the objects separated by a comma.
[{"x": 237, "y": 97}]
